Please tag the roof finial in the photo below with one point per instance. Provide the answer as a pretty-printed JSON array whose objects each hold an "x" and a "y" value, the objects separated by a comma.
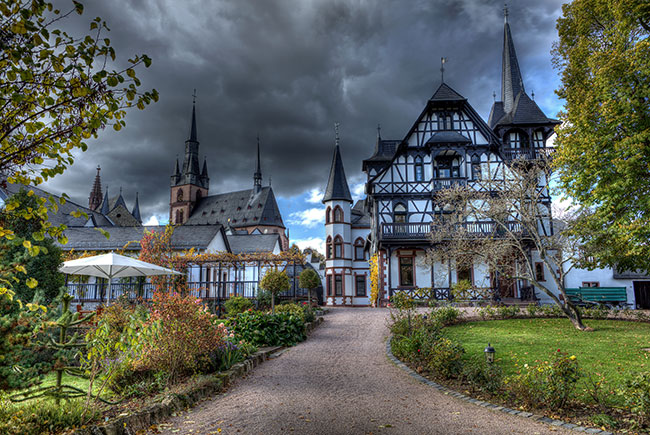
[
  {"x": 194, "y": 96},
  {"x": 494, "y": 96},
  {"x": 533, "y": 95},
  {"x": 443, "y": 60},
  {"x": 336, "y": 133},
  {"x": 270, "y": 181},
  {"x": 378, "y": 131},
  {"x": 505, "y": 12}
]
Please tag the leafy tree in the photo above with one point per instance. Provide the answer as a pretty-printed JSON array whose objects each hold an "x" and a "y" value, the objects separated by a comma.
[
  {"x": 310, "y": 280},
  {"x": 274, "y": 281},
  {"x": 315, "y": 255},
  {"x": 57, "y": 91},
  {"x": 603, "y": 153},
  {"x": 42, "y": 260},
  {"x": 518, "y": 225}
]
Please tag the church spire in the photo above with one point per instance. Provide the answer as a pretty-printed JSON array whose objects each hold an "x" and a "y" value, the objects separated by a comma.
[
  {"x": 193, "y": 128},
  {"x": 511, "y": 81},
  {"x": 95, "y": 198},
  {"x": 105, "y": 206},
  {"x": 337, "y": 184},
  {"x": 257, "y": 176},
  {"x": 136, "y": 209},
  {"x": 191, "y": 172}
]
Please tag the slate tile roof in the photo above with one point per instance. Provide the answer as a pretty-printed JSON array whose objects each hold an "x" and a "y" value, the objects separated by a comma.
[
  {"x": 252, "y": 243},
  {"x": 238, "y": 209},
  {"x": 337, "y": 184}
]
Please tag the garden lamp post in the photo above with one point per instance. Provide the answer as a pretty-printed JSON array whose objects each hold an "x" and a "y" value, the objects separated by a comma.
[{"x": 489, "y": 354}]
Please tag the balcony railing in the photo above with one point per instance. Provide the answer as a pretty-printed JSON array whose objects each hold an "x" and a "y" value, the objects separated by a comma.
[
  {"x": 421, "y": 231},
  {"x": 527, "y": 153},
  {"x": 445, "y": 183}
]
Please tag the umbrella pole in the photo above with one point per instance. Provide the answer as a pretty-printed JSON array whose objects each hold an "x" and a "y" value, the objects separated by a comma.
[{"x": 108, "y": 290}]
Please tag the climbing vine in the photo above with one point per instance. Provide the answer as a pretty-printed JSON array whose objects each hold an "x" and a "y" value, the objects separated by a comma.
[{"x": 374, "y": 280}]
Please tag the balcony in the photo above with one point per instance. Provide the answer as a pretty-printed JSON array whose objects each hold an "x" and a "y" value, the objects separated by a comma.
[
  {"x": 527, "y": 153},
  {"x": 421, "y": 230},
  {"x": 445, "y": 183}
]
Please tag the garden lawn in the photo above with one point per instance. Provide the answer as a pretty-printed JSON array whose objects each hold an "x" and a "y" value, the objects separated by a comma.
[{"x": 614, "y": 349}]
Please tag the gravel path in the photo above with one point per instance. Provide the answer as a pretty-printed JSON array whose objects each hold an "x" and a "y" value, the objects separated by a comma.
[{"x": 340, "y": 382}]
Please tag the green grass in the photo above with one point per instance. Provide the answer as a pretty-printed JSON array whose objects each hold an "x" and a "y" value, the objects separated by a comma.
[{"x": 613, "y": 349}]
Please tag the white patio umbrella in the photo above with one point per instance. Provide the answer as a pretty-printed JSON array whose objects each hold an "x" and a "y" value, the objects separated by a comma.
[{"x": 111, "y": 266}]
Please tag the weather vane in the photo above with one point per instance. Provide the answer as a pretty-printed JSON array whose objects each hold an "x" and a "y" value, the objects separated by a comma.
[
  {"x": 194, "y": 96},
  {"x": 443, "y": 61}
]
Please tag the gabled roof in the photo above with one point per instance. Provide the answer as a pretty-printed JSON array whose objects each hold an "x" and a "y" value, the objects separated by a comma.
[
  {"x": 86, "y": 238},
  {"x": 445, "y": 93},
  {"x": 359, "y": 217},
  {"x": 252, "y": 243},
  {"x": 238, "y": 209},
  {"x": 337, "y": 185}
]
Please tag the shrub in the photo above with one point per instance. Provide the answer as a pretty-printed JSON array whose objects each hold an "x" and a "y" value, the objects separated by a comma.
[
  {"x": 444, "y": 358},
  {"x": 507, "y": 312},
  {"x": 551, "y": 310},
  {"x": 179, "y": 333},
  {"x": 598, "y": 312},
  {"x": 637, "y": 397},
  {"x": 447, "y": 315},
  {"x": 43, "y": 416},
  {"x": 275, "y": 281},
  {"x": 487, "y": 312},
  {"x": 264, "y": 329},
  {"x": 483, "y": 376},
  {"x": 416, "y": 346},
  {"x": 291, "y": 308},
  {"x": 548, "y": 383},
  {"x": 532, "y": 309},
  {"x": 310, "y": 316},
  {"x": 461, "y": 290},
  {"x": 264, "y": 298},
  {"x": 237, "y": 304}
]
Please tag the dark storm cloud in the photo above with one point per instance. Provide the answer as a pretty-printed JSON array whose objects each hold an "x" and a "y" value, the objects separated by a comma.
[{"x": 288, "y": 70}]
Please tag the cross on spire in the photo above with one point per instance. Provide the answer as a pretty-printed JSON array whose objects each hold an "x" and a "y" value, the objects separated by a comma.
[
  {"x": 194, "y": 96},
  {"x": 505, "y": 12}
]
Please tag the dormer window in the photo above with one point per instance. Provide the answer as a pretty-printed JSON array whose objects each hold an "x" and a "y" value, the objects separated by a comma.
[
  {"x": 538, "y": 139},
  {"x": 514, "y": 140}
]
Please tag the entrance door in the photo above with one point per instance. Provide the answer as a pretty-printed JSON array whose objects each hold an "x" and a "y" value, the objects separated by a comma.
[
  {"x": 642, "y": 294},
  {"x": 504, "y": 285}
]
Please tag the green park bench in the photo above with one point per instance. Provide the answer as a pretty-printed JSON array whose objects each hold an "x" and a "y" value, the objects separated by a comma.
[{"x": 597, "y": 295}]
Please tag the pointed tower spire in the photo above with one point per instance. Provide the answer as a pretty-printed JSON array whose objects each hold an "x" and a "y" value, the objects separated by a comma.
[
  {"x": 105, "y": 206},
  {"x": 511, "y": 81},
  {"x": 136, "y": 209},
  {"x": 193, "y": 128},
  {"x": 204, "y": 171},
  {"x": 95, "y": 198},
  {"x": 337, "y": 185},
  {"x": 257, "y": 176}
]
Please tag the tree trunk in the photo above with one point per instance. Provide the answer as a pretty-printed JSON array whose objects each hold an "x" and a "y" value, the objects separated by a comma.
[
  {"x": 574, "y": 316},
  {"x": 272, "y": 303}
]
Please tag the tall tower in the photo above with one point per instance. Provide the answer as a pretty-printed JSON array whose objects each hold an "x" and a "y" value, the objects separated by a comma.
[
  {"x": 190, "y": 185},
  {"x": 338, "y": 265},
  {"x": 95, "y": 198},
  {"x": 517, "y": 120}
]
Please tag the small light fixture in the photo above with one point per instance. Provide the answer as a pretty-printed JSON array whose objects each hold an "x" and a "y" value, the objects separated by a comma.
[{"x": 489, "y": 354}]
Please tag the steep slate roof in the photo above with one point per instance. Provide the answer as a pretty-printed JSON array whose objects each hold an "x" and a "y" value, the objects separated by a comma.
[
  {"x": 445, "y": 137},
  {"x": 243, "y": 208},
  {"x": 337, "y": 184},
  {"x": 511, "y": 81},
  {"x": 252, "y": 243},
  {"x": 445, "y": 93},
  {"x": 87, "y": 238}
]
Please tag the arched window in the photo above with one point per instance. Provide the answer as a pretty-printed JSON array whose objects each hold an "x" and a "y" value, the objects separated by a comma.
[
  {"x": 399, "y": 213},
  {"x": 328, "y": 248},
  {"x": 328, "y": 215},
  {"x": 476, "y": 167},
  {"x": 419, "y": 169},
  {"x": 359, "y": 253},
  {"x": 338, "y": 247},
  {"x": 338, "y": 214},
  {"x": 179, "y": 195}
]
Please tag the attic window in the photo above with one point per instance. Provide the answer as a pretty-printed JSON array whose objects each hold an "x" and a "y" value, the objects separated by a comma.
[
  {"x": 254, "y": 218},
  {"x": 234, "y": 220},
  {"x": 204, "y": 213},
  {"x": 244, "y": 220},
  {"x": 222, "y": 210},
  {"x": 118, "y": 215},
  {"x": 249, "y": 207},
  {"x": 259, "y": 205},
  {"x": 238, "y": 208}
]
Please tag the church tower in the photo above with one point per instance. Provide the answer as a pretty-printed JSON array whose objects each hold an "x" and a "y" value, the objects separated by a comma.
[
  {"x": 96, "y": 197},
  {"x": 190, "y": 185},
  {"x": 338, "y": 253},
  {"x": 517, "y": 120}
]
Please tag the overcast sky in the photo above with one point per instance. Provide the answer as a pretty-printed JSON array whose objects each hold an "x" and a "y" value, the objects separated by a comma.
[{"x": 288, "y": 70}]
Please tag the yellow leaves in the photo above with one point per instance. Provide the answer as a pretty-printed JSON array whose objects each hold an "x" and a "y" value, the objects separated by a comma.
[
  {"x": 27, "y": 244},
  {"x": 36, "y": 307},
  {"x": 31, "y": 283},
  {"x": 20, "y": 268}
]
